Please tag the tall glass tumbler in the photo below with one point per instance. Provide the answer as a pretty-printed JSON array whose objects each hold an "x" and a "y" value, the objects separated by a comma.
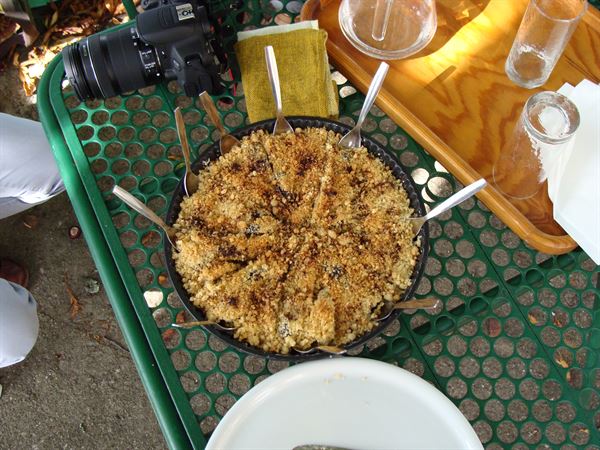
[
  {"x": 547, "y": 123},
  {"x": 543, "y": 35},
  {"x": 388, "y": 29}
]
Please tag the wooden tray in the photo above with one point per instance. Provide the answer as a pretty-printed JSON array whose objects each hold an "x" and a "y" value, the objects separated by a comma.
[{"x": 454, "y": 98}]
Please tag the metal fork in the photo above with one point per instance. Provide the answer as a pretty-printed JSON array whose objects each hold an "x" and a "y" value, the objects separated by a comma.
[
  {"x": 201, "y": 323},
  {"x": 138, "y": 206},
  {"x": 332, "y": 350},
  {"x": 450, "y": 202},
  {"x": 422, "y": 303},
  {"x": 191, "y": 180},
  {"x": 281, "y": 124},
  {"x": 352, "y": 139}
]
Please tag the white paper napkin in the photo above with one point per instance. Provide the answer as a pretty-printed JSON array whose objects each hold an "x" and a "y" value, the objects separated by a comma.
[{"x": 574, "y": 177}]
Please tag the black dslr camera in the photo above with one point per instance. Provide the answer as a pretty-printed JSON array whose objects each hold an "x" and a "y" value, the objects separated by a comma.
[{"x": 170, "y": 40}]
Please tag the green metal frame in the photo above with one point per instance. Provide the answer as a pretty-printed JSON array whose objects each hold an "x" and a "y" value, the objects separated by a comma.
[{"x": 154, "y": 378}]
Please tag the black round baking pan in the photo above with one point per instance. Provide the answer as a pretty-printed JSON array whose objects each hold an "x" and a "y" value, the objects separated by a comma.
[{"x": 386, "y": 156}]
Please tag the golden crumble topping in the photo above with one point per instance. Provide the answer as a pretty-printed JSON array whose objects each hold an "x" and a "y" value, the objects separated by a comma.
[{"x": 294, "y": 241}]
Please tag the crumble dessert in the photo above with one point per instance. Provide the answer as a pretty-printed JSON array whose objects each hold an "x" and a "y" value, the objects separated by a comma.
[{"x": 294, "y": 241}]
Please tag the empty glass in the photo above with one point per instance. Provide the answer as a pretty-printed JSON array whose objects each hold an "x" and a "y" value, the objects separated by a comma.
[
  {"x": 547, "y": 124},
  {"x": 543, "y": 35},
  {"x": 388, "y": 29}
]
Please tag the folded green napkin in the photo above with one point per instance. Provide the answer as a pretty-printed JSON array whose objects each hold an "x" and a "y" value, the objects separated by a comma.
[{"x": 306, "y": 85}]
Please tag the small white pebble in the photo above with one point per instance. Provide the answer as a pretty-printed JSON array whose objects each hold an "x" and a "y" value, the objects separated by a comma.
[{"x": 153, "y": 298}]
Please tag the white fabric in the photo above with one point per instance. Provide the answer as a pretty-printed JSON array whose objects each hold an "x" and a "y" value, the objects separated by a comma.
[
  {"x": 28, "y": 171},
  {"x": 19, "y": 324}
]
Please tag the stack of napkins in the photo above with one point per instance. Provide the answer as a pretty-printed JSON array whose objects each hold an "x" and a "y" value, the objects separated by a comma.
[
  {"x": 574, "y": 175},
  {"x": 306, "y": 85}
]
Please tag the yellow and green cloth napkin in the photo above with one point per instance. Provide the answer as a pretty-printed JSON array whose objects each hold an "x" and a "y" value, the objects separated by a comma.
[{"x": 306, "y": 85}]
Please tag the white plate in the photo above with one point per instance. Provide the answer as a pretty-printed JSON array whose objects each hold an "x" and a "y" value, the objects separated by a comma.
[{"x": 347, "y": 402}]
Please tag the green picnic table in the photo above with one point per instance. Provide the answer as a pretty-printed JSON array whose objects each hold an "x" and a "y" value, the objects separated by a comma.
[{"x": 515, "y": 345}]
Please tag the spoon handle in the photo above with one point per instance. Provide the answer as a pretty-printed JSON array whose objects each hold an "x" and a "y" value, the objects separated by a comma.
[
  {"x": 199, "y": 323},
  {"x": 138, "y": 206},
  {"x": 372, "y": 92},
  {"x": 185, "y": 145},
  {"x": 273, "y": 77},
  {"x": 209, "y": 106},
  {"x": 457, "y": 198},
  {"x": 419, "y": 303}
]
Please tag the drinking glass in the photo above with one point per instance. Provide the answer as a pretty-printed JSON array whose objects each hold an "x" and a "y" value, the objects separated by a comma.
[
  {"x": 543, "y": 35},
  {"x": 546, "y": 125},
  {"x": 388, "y": 29}
]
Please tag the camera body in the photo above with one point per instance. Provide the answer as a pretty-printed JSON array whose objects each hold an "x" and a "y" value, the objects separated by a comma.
[
  {"x": 170, "y": 40},
  {"x": 179, "y": 33}
]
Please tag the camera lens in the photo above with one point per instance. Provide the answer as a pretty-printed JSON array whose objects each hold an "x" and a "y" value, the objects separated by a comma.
[
  {"x": 75, "y": 71},
  {"x": 105, "y": 65}
]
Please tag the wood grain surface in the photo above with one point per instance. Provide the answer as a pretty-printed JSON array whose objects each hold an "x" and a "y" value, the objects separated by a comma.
[{"x": 455, "y": 99}]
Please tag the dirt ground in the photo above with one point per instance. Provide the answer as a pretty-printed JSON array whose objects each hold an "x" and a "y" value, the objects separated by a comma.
[{"x": 78, "y": 388}]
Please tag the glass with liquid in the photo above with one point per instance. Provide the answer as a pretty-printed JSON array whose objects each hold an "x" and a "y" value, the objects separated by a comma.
[
  {"x": 543, "y": 35},
  {"x": 388, "y": 29},
  {"x": 546, "y": 125}
]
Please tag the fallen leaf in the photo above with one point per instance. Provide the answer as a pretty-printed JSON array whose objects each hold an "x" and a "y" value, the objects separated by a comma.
[
  {"x": 74, "y": 302},
  {"x": 491, "y": 327},
  {"x": 51, "y": 21},
  {"x": 562, "y": 363},
  {"x": 75, "y": 18},
  {"x": 532, "y": 319},
  {"x": 170, "y": 336},
  {"x": 147, "y": 239},
  {"x": 30, "y": 221},
  {"x": 562, "y": 358},
  {"x": 574, "y": 378},
  {"x": 559, "y": 319}
]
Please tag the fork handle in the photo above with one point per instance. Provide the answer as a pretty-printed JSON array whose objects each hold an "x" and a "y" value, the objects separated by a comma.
[
  {"x": 273, "y": 77},
  {"x": 138, "y": 206},
  {"x": 185, "y": 145},
  {"x": 374, "y": 88},
  {"x": 209, "y": 106},
  {"x": 457, "y": 198},
  {"x": 429, "y": 302}
]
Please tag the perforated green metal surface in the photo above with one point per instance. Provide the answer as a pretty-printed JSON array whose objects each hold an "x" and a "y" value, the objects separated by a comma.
[{"x": 516, "y": 344}]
